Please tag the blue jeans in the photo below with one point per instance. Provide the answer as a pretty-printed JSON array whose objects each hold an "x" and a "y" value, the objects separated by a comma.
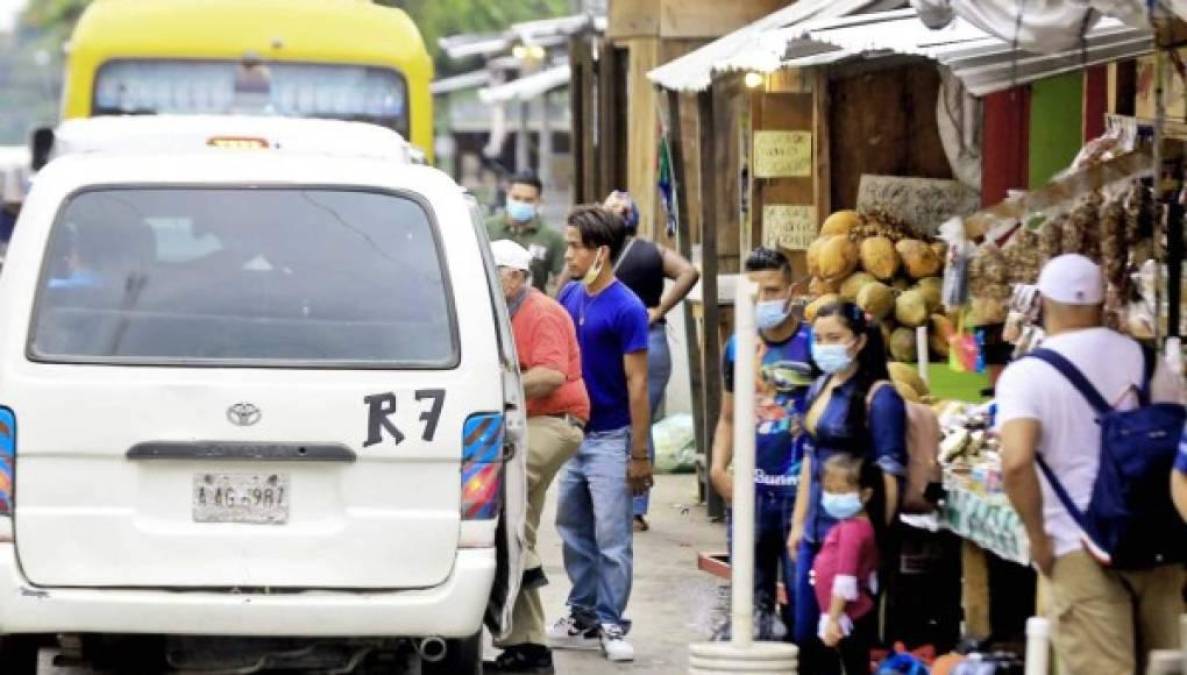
[
  {"x": 772, "y": 562},
  {"x": 814, "y": 656},
  {"x": 593, "y": 518},
  {"x": 659, "y": 371}
]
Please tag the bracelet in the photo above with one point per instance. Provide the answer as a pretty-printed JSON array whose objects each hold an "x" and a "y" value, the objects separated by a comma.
[{"x": 641, "y": 459}]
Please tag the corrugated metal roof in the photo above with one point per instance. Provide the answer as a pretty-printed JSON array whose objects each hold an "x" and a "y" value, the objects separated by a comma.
[
  {"x": 984, "y": 63},
  {"x": 544, "y": 32},
  {"x": 527, "y": 88},
  {"x": 471, "y": 80},
  {"x": 820, "y": 32},
  {"x": 746, "y": 49}
]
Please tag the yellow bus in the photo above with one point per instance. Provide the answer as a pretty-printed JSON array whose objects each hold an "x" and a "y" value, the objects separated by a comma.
[{"x": 340, "y": 59}]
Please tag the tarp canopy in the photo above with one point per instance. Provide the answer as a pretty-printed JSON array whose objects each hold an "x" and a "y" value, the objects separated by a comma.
[
  {"x": 528, "y": 87},
  {"x": 983, "y": 62},
  {"x": 1043, "y": 25},
  {"x": 823, "y": 32},
  {"x": 746, "y": 49}
]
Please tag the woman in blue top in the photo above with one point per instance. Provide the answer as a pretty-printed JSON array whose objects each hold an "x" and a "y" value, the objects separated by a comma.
[{"x": 849, "y": 348}]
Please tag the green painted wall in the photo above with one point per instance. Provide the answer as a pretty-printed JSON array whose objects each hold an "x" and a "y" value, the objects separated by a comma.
[{"x": 1055, "y": 125}]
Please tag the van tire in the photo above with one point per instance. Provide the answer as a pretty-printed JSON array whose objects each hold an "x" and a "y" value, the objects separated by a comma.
[
  {"x": 18, "y": 654},
  {"x": 463, "y": 656}
]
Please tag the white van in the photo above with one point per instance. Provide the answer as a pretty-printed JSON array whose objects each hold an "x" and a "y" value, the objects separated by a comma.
[{"x": 262, "y": 395}]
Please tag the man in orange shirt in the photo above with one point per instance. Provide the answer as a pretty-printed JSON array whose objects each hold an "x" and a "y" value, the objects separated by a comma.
[{"x": 558, "y": 408}]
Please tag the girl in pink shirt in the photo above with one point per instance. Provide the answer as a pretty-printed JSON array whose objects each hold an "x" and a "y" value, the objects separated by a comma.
[{"x": 845, "y": 569}]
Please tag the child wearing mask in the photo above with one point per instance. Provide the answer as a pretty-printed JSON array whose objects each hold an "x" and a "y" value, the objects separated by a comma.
[{"x": 845, "y": 569}]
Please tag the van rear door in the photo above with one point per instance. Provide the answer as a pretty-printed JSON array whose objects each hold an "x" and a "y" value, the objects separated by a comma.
[{"x": 245, "y": 388}]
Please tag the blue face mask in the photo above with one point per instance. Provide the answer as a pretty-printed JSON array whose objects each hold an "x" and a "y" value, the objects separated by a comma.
[
  {"x": 770, "y": 313},
  {"x": 831, "y": 358},
  {"x": 520, "y": 212},
  {"x": 841, "y": 505}
]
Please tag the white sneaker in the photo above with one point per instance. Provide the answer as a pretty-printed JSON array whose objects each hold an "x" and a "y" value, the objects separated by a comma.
[
  {"x": 615, "y": 645},
  {"x": 572, "y": 633}
]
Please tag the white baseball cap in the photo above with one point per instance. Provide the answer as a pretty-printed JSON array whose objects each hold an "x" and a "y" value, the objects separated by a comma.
[
  {"x": 510, "y": 254},
  {"x": 1072, "y": 279}
]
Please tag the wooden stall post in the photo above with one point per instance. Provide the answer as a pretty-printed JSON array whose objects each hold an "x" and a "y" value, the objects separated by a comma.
[
  {"x": 684, "y": 245},
  {"x": 581, "y": 102},
  {"x": 710, "y": 358}
]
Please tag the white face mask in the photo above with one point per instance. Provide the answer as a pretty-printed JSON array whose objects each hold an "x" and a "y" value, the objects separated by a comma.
[{"x": 595, "y": 270}]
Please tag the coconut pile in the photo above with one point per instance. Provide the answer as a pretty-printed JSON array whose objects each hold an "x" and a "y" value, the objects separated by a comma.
[{"x": 889, "y": 270}]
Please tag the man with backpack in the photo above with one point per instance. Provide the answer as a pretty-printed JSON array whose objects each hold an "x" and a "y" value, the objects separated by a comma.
[{"x": 1091, "y": 393}]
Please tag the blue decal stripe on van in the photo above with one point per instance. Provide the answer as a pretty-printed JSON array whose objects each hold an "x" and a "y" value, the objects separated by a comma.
[
  {"x": 482, "y": 470},
  {"x": 7, "y": 458},
  {"x": 482, "y": 437}
]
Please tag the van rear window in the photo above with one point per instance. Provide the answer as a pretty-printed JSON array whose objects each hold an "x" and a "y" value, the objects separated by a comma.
[{"x": 286, "y": 276}]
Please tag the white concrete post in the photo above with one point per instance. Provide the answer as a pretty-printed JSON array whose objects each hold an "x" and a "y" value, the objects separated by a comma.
[
  {"x": 742, "y": 556},
  {"x": 742, "y": 654},
  {"x": 1038, "y": 645}
]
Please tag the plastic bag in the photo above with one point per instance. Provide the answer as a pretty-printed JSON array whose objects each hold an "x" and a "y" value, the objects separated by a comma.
[
  {"x": 955, "y": 290},
  {"x": 964, "y": 353},
  {"x": 675, "y": 444}
]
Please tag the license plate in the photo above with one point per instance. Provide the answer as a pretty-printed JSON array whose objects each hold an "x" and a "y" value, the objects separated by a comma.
[{"x": 257, "y": 498}]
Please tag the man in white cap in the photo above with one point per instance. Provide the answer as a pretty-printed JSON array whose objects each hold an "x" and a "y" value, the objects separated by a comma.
[
  {"x": 558, "y": 409},
  {"x": 1103, "y": 620}
]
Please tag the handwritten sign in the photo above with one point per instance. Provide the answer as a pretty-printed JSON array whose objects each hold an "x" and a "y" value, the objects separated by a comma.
[
  {"x": 782, "y": 154},
  {"x": 792, "y": 226}
]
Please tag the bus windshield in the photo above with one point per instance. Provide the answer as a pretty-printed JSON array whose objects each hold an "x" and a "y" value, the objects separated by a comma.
[{"x": 347, "y": 92}]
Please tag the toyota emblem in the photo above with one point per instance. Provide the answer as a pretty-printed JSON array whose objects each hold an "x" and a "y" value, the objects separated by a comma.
[{"x": 243, "y": 414}]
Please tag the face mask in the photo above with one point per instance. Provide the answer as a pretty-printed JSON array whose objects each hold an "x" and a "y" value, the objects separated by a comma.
[
  {"x": 520, "y": 212},
  {"x": 770, "y": 313},
  {"x": 831, "y": 358},
  {"x": 591, "y": 275},
  {"x": 841, "y": 505}
]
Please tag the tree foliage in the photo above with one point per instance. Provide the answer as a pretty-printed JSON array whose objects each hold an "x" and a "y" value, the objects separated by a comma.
[{"x": 435, "y": 18}]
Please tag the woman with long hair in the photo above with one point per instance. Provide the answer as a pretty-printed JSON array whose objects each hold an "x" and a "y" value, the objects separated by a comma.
[{"x": 843, "y": 417}]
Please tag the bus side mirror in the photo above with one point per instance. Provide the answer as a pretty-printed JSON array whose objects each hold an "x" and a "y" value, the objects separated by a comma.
[{"x": 41, "y": 145}]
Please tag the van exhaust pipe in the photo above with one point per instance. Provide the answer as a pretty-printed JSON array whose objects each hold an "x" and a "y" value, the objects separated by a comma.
[{"x": 432, "y": 649}]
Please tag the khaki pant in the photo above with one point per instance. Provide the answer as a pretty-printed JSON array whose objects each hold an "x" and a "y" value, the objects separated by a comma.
[
  {"x": 551, "y": 442},
  {"x": 1106, "y": 622}
]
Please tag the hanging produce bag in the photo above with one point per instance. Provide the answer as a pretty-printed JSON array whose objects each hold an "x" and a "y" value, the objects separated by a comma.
[{"x": 964, "y": 354}]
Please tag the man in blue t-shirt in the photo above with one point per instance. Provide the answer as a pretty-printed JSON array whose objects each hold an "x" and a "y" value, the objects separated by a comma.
[
  {"x": 785, "y": 375},
  {"x": 594, "y": 505}
]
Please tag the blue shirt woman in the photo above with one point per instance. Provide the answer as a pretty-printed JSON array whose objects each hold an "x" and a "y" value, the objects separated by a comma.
[{"x": 843, "y": 418}]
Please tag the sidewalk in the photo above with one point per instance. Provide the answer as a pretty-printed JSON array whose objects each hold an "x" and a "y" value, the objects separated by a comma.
[{"x": 671, "y": 600}]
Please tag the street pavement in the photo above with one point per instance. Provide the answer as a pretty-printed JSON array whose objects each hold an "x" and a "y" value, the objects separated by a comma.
[{"x": 672, "y": 602}]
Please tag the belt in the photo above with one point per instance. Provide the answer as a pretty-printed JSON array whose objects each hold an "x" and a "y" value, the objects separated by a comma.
[{"x": 570, "y": 419}]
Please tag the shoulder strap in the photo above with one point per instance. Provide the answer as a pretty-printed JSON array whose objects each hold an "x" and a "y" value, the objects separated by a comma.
[
  {"x": 622, "y": 256},
  {"x": 874, "y": 389},
  {"x": 1061, "y": 492},
  {"x": 1149, "y": 365},
  {"x": 1074, "y": 376}
]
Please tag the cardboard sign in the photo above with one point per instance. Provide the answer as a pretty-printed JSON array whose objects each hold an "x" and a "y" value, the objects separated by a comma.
[
  {"x": 791, "y": 226},
  {"x": 782, "y": 154}
]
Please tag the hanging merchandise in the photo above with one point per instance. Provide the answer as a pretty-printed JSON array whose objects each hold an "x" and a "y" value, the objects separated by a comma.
[
  {"x": 989, "y": 286},
  {"x": 955, "y": 289},
  {"x": 1024, "y": 324},
  {"x": 963, "y": 353}
]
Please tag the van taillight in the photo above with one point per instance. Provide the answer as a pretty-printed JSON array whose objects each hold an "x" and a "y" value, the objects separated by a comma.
[
  {"x": 7, "y": 459},
  {"x": 482, "y": 466}
]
